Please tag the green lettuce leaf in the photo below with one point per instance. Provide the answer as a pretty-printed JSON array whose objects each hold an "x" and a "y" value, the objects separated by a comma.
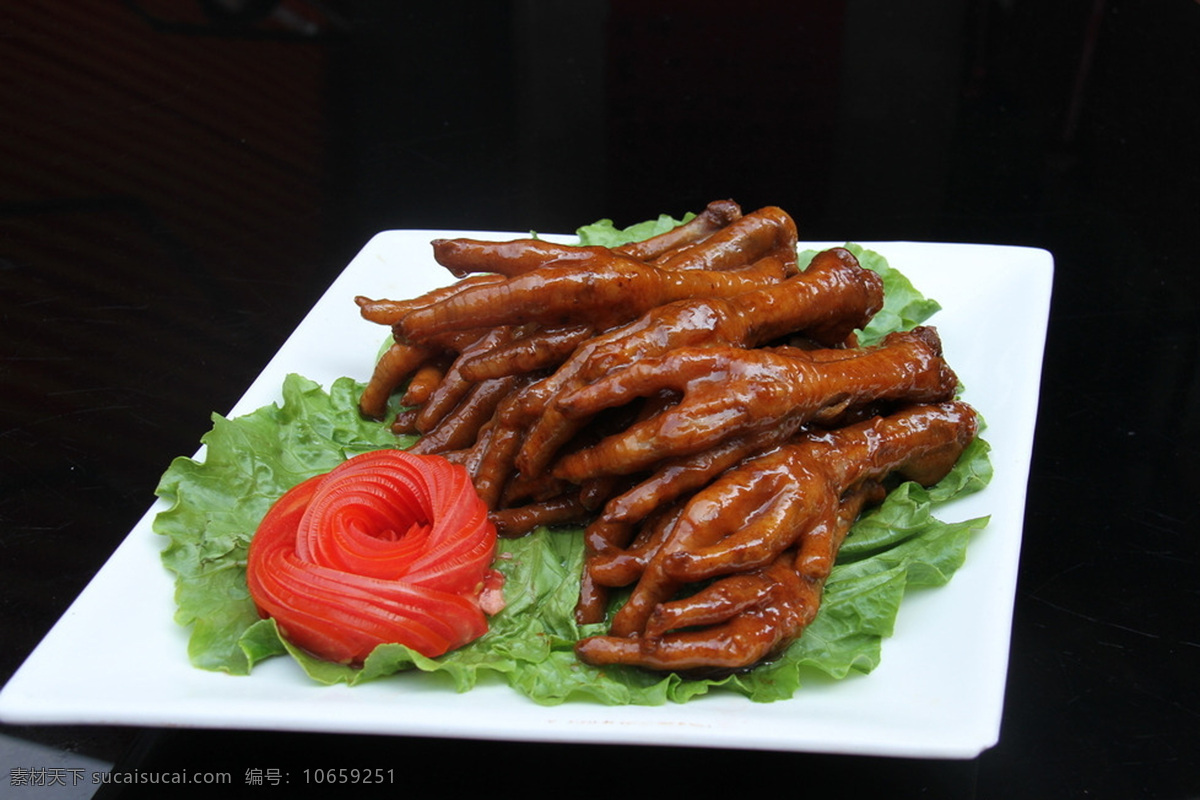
[
  {"x": 214, "y": 504},
  {"x": 604, "y": 233}
]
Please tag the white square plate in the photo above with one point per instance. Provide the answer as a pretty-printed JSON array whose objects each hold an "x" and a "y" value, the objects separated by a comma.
[{"x": 117, "y": 657}]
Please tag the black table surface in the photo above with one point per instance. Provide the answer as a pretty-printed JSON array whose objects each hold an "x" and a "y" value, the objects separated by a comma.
[{"x": 181, "y": 180}]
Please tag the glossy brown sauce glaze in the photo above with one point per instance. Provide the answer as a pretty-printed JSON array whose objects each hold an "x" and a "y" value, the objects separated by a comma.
[{"x": 642, "y": 393}]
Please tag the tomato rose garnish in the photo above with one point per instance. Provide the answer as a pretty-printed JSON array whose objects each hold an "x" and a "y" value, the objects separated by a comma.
[{"x": 387, "y": 547}]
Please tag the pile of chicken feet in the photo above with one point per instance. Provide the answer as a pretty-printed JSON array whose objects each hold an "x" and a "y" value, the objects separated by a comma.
[{"x": 695, "y": 401}]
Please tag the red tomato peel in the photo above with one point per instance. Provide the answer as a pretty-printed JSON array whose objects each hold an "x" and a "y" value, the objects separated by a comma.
[{"x": 387, "y": 547}]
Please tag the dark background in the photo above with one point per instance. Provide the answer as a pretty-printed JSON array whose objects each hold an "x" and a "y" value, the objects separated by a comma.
[{"x": 180, "y": 181}]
